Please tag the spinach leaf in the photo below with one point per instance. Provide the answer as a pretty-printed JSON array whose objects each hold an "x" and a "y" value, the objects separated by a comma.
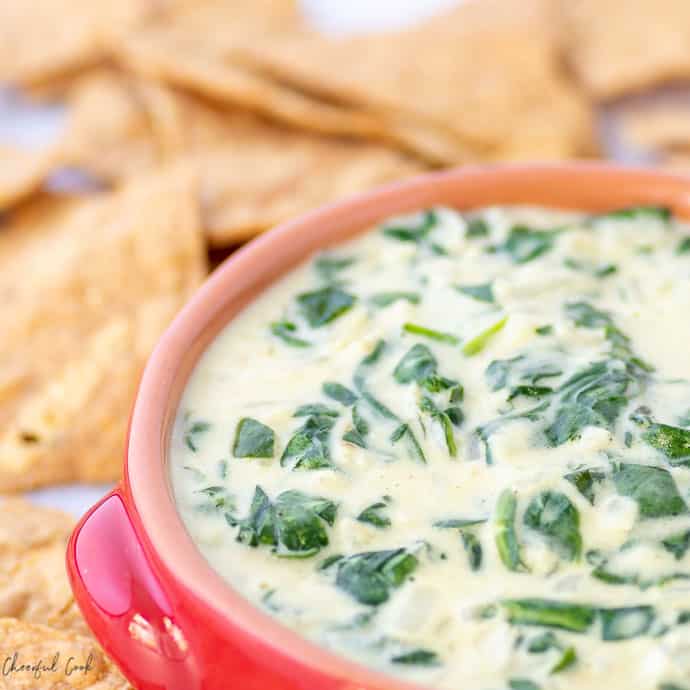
[
  {"x": 671, "y": 686},
  {"x": 544, "y": 330},
  {"x": 543, "y": 643},
  {"x": 677, "y": 544},
  {"x": 552, "y": 515},
  {"x": 524, "y": 244},
  {"x": 308, "y": 449},
  {"x": 440, "y": 337},
  {"x": 372, "y": 515},
  {"x": 522, "y": 684},
  {"x": 475, "y": 345},
  {"x": 417, "y": 364},
  {"x": 285, "y": 330},
  {"x": 404, "y": 431},
  {"x": 192, "y": 431},
  {"x": 661, "y": 213},
  {"x": 482, "y": 293},
  {"x": 359, "y": 379},
  {"x": 294, "y": 525},
  {"x": 413, "y": 233},
  {"x": 683, "y": 246},
  {"x": 600, "y": 271},
  {"x": 217, "y": 498},
  {"x": 626, "y": 623},
  {"x": 360, "y": 428},
  {"x": 253, "y": 439},
  {"x": 568, "y": 658},
  {"x": 529, "y": 392},
  {"x": 385, "y": 299},
  {"x": 497, "y": 372},
  {"x": 473, "y": 547},
  {"x": 593, "y": 397},
  {"x": 315, "y": 409},
  {"x": 417, "y": 657},
  {"x": 653, "y": 489},
  {"x": 504, "y": 531},
  {"x": 672, "y": 441},
  {"x": 427, "y": 405},
  {"x": 322, "y": 306},
  {"x": 585, "y": 481},
  {"x": 477, "y": 227},
  {"x": 339, "y": 393},
  {"x": 550, "y": 614},
  {"x": 371, "y": 576},
  {"x": 456, "y": 523},
  {"x": 328, "y": 267}
]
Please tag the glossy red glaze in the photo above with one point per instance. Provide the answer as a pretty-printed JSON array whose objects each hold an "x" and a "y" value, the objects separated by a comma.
[{"x": 151, "y": 599}]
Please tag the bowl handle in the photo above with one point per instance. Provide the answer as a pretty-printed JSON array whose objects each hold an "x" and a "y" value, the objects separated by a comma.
[{"x": 124, "y": 602}]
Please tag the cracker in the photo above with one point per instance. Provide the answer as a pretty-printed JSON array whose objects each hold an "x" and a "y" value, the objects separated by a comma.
[
  {"x": 34, "y": 644},
  {"x": 488, "y": 72},
  {"x": 663, "y": 126},
  {"x": 618, "y": 47},
  {"x": 22, "y": 172},
  {"x": 107, "y": 276}
]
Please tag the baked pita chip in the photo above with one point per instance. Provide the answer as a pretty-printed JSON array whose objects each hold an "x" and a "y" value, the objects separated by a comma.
[
  {"x": 33, "y": 580},
  {"x": 71, "y": 661},
  {"x": 22, "y": 173},
  {"x": 658, "y": 127},
  {"x": 489, "y": 72},
  {"x": 107, "y": 276},
  {"x": 620, "y": 46}
]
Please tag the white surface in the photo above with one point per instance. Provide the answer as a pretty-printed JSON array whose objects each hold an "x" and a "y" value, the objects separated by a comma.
[{"x": 35, "y": 127}]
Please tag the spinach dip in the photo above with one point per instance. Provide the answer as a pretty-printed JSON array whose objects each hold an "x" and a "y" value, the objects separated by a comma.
[{"x": 457, "y": 449}]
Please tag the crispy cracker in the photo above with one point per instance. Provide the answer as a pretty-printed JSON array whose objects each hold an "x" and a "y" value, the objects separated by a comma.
[
  {"x": 659, "y": 127},
  {"x": 617, "y": 47},
  {"x": 106, "y": 278},
  {"x": 21, "y": 173},
  {"x": 192, "y": 56},
  {"x": 33, "y": 581},
  {"x": 487, "y": 71},
  {"x": 35, "y": 644}
]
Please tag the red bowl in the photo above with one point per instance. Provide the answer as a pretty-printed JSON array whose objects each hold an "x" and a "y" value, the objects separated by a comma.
[{"x": 150, "y": 597}]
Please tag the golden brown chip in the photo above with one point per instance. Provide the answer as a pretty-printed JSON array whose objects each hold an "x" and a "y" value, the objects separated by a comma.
[
  {"x": 659, "y": 127},
  {"x": 21, "y": 173},
  {"x": 618, "y": 46},
  {"x": 33, "y": 580},
  {"x": 87, "y": 295},
  {"x": 67, "y": 661},
  {"x": 488, "y": 71},
  {"x": 196, "y": 59}
]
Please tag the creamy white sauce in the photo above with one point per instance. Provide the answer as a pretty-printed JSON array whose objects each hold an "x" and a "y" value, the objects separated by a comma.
[{"x": 614, "y": 291}]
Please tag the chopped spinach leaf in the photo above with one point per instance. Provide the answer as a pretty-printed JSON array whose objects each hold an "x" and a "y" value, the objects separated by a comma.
[
  {"x": 417, "y": 364},
  {"x": 522, "y": 684},
  {"x": 440, "y": 337},
  {"x": 482, "y": 293},
  {"x": 455, "y": 523},
  {"x": 358, "y": 433},
  {"x": 372, "y": 515},
  {"x": 625, "y": 623},
  {"x": 385, "y": 299},
  {"x": 339, "y": 393},
  {"x": 601, "y": 271},
  {"x": 473, "y": 548},
  {"x": 552, "y": 515},
  {"x": 568, "y": 659},
  {"x": 370, "y": 577},
  {"x": 412, "y": 233},
  {"x": 662, "y": 213},
  {"x": 285, "y": 330},
  {"x": 477, "y": 227},
  {"x": 585, "y": 481},
  {"x": 543, "y": 643},
  {"x": 550, "y": 614},
  {"x": 652, "y": 488},
  {"x": 328, "y": 267},
  {"x": 316, "y": 409},
  {"x": 217, "y": 498},
  {"x": 683, "y": 246},
  {"x": 480, "y": 341},
  {"x": 504, "y": 531},
  {"x": 672, "y": 441},
  {"x": 443, "y": 418},
  {"x": 544, "y": 330},
  {"x": 322, "y": 306},
  {"x": 294, "y": 525},
  {"x": 404, "y": 431},
  {"x": 524, "y": 244},
  {"x": 253, "y": 439},
  {"x": 308, "y": 449},
  {"x": 417, "y": 657},
  {"x": 677, "y": 544},
  {"x": 192, "y": 431},
  {"x": 498, "y": 371},
  {"x": 529, "y": 392}
]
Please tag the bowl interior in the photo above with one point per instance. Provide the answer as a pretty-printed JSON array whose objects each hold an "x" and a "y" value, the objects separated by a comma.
[{"x": 589, "y": 187}]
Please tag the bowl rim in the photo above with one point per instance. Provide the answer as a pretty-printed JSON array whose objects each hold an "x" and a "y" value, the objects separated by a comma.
[{"x": 146, "y": 476}]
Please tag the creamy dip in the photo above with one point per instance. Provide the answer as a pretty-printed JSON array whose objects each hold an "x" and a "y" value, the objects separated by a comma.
[{"x": 457, "y": 449}]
